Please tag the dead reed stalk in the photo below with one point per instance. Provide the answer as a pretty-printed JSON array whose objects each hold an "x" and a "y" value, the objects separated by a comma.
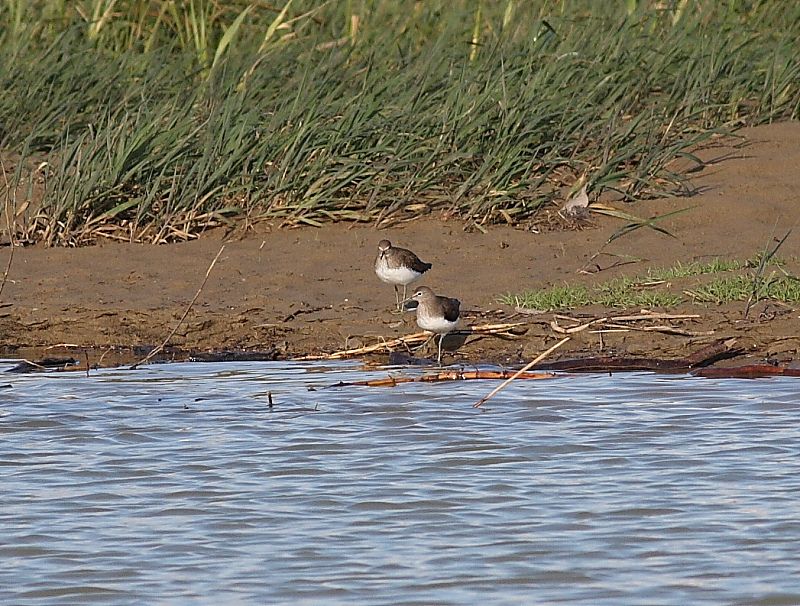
[
  {"x": 524, "y": 369},
  {"x": 9, "y": 227},
  {"x": 155, "y": 350}
]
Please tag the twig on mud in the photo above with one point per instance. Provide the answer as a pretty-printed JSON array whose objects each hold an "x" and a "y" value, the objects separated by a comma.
[
  {"x": 574, "y": 329},
  {"x": 413, "y": 339},
  {"x": 525, "y": 368},
  {"x": 648, "y": 315},
  {"x": 527, "y": 311},
  {"x": 149, "y": 356},
  {"x": 644, "y": 315},
  {"x": 669, "y": 330},
  {"x": 614, "y": 324},
  {"x": 310, "y": 310},
  {"x": 585, "y": 269}
]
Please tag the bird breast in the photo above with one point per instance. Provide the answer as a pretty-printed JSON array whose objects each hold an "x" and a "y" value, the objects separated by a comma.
[
  {"x": 433, "y": 323},
  {"x": 394, "y": 275}
]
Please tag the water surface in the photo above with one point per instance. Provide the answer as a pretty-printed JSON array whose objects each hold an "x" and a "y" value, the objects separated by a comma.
[{"x": 178, "y": 484}]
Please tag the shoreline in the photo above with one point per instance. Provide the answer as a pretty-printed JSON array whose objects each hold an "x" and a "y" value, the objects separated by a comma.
[{"x": 312, "y": 291}]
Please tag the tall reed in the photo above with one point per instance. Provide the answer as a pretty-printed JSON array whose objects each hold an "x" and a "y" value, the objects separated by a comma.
[{"x": 158, "y": 119}]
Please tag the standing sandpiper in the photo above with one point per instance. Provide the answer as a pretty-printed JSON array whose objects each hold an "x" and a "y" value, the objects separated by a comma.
[
  {"x": 436, "y": 314},
  {"x": 398, "y": 266}
]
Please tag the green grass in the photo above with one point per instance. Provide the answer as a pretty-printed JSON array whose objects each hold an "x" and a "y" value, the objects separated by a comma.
[
  {"x": 551, "y": 299},
  {"x": 159, "y": 119},
  {"x": 620, "y": 293},
  {"x": 785, "y": 289},
  {"x": 648, "y": 290},
  {"x": 627, "y": 292},
  {"x": 694, "y": 268}
]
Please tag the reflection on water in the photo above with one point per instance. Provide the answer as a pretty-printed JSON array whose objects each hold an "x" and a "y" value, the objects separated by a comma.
[{"x": 177, "y": 483}]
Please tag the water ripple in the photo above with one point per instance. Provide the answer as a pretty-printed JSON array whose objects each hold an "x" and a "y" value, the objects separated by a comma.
[{"x": 178, "y": 483}]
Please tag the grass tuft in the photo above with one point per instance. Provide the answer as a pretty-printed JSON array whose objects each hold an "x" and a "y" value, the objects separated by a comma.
[
  {"x": 694, "y": 268},
  {"x": 655, "y": 290}
]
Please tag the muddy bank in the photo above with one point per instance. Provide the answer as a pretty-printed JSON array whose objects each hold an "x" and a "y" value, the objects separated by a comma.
[{"x": 291, "y": 293}]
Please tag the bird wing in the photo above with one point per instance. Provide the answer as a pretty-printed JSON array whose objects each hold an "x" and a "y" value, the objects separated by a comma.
[
  {"x": 409, "y": 259},
  {"x": 451, "y": 308}
]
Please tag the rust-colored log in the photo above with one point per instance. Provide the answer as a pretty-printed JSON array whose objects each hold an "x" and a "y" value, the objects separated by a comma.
[
  {"x": 749, "y": 371},
  {"x": 445, "y": 375},
  {"x": 717, "y": 350},
  {"x": 713, "y": 352}
]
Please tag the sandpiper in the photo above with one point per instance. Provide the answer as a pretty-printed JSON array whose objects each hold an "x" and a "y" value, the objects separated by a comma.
[
  {"x": 398, "y": 266},
  {"x": 439, "y": 315}
]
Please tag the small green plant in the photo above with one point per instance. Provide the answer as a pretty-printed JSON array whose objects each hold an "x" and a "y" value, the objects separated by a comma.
[
  {"x": 557, "y": 297},
  {"x": 694, "y": 268},
  {"x": 721, "y": 290},
  {"x": 648, "y": 290},
  {"x": 758, "y": 284},
  {"x": 621, "y": 292},
  {"x": 785, "y": 289},
  {"x": 629, "y": 292}
]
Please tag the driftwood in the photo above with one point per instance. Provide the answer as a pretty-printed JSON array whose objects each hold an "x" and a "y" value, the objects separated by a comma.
[
  {"x": 749, "y": 371},
  {"x": 25, "y": 366},
  {"x": 269, "y": 355},
  {"x": 445, "y": 375},
  {"x": 719, "y": 350},
  {"x": 507, "y": 330}
]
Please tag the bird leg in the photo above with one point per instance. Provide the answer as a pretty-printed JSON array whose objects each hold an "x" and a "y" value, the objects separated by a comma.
[
  {"x": 439, "y": 359},
  {"x": 397, "y": 300},
  {"x": 428, "y": 340},
  {"x": 400, "y": 302}
]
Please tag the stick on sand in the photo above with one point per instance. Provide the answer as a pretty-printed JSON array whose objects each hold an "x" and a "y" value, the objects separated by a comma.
[
  {"x": 525, "y": 368},
  {"x": 183, "y": 317}
]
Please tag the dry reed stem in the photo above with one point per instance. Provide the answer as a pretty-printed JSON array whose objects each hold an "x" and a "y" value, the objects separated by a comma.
[
  {"x": 34, "y": 364},
  {"x": 10, "y": 230},
  {"x": 525, "y": 368},
  {"x": 635, "y": 317},
  {"x": 575, "y": 329},
  {"x": 527, "y": 311},
  {"x": 653, "y": 316},
  {"x": 102, "y": 356},
  {"x": 669, "y": 330},
  {"x": 185, "y": 313},
  {"x": 8, "y": 268},
  {"x": 613, "y": 322}
]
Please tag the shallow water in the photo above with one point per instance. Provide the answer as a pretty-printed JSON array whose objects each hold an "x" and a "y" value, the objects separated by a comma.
[{"x": 177, "y": 483}]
